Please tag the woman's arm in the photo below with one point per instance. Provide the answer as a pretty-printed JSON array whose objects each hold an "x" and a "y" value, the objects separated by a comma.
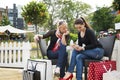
[
  {"x": 63, "y": 40},
  {"x": 38, "y": 36}
]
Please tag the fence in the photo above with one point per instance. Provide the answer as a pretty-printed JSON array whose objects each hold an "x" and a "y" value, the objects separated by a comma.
[{"x": 14, "y": 54}]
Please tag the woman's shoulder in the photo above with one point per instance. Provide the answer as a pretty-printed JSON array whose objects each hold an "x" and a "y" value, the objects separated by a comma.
[
  {"x": 89, "y": 30},
  {"x": 52, "y": 31}
]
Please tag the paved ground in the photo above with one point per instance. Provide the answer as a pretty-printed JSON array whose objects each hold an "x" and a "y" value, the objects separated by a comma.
[
  {"x": 10, "y": 74},
  {"x": 14, "y": 74}
]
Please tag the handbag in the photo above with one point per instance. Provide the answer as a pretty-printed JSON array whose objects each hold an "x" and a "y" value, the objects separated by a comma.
[
  {"x": 44, "y": 66},
  {"x": 96, "y": 69},
  {"x": 56, "y": 46},
  {"x": 31, "y": 74}
]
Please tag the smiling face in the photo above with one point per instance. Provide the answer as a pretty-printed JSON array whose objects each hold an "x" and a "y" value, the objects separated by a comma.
[
  {"x": 63, "y": 28},
  {"x": 80, "y": 27}
]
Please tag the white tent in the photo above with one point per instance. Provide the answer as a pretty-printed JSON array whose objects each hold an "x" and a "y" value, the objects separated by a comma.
[{"x": 12, "y": 29}]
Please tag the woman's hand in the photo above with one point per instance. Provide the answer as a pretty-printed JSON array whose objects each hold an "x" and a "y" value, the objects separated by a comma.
[
  {"x": 36, "y": 37},
  {"x": 77, "y": 47},
  {"x": 63, "y": 38},
  {"x": 66, "y": 33}
]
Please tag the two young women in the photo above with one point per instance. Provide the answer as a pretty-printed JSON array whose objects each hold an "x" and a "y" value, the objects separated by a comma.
[{"x": 87, "y": 48}]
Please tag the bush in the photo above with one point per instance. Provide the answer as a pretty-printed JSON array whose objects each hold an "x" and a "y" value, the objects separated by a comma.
[
  {"x": 117, "y": 19},
  {"x": 73, "y": 36},
  {"x": 30, "y": 37}
]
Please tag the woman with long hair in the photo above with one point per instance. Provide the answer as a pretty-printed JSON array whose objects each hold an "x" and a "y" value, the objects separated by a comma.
[
  {"x": 87, "y": 48},
  {"x": 57, "y": 47}
]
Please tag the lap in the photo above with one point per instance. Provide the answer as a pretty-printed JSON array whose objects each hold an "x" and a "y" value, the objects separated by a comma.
[{"x": 93, "y": 53}]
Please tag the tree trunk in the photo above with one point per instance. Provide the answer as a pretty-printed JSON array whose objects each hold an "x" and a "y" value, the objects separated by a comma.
[{"x": 36, "y": 32}]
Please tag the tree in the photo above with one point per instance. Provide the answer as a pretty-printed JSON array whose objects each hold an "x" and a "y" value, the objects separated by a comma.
[
  {"x": 71, "y": 10},
  {"x": 35, "y": 13},
  {"x": 103, "y": 19},
  {"x": 65, "y": 9},
  {"x": 4, "y": 21},
  {"x": 117, "y": 19},
  {"x": 53, "y": 7},
  {"x": 116, "y": 5}
]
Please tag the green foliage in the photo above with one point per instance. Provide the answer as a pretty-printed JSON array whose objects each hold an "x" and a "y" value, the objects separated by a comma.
[
  {"x": 117, "y": 19},
  {"x": 71, "y": 10},
  {"x": 30, "y": 37},
  {"x": 67, "y": 10},
  {"x": 116, "y": 5},
  {"x": 103, "y": 19},
  {"x": 35, "y": 13},
  {"x": 73, "y": 37},
  {"x": 4, "y": 21}
]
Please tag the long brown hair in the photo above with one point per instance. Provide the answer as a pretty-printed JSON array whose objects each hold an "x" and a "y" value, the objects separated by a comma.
[{"x": 81, "y": 20}]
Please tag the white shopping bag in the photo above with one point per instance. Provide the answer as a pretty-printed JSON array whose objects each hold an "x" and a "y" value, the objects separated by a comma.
[
  {"x": 111, "y": 75},
  {"x": 44, "y": 66}
]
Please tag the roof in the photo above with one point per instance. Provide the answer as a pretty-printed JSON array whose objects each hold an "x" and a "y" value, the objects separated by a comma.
[{"x": 12, "y": 29}]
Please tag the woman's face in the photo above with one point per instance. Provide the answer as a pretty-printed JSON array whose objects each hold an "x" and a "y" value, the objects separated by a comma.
[
  {"x": 63, "y": 28},
  {"x": 79, "y": 27}
]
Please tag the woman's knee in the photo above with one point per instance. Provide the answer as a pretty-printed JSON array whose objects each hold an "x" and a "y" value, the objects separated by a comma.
[{"x": 79, "y": 57}]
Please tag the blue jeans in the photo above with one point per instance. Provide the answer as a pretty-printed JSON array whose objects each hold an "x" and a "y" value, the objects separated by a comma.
[
  {"x": 61, "y": 55},
  {"x": 78, "y": 57}
]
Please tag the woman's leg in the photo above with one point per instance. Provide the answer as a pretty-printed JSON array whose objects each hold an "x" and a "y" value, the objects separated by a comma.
[
  {"x": 61, "y": 55},
  {"x": 72, "y": 64},
  {"x": 73, "y": 61},
  {"x": 62, "y": 59},
  {"x": 79, "y": 66},
  {"x": 52, "y": 55},
  {"x": 96, "y": 53}
]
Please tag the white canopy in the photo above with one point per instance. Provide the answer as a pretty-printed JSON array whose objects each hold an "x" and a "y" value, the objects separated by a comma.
[{"x": 12, "y": 29}]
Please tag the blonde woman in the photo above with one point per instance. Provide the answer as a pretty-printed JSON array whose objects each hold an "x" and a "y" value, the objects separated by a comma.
[{"x": 57, "y": 46}]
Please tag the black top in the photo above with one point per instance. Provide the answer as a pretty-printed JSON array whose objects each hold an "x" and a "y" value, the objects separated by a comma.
[
  {"x": 89, "y": 40},
  {"x": 53, "y": 38}
]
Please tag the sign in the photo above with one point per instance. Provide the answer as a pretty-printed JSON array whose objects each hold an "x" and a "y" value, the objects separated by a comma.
[{"x": 117, "y": 26}]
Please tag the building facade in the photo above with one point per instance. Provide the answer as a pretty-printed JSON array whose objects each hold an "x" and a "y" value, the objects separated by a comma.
[
  {"x": 12, "y": 15},
  {"x": 3, "y": 12}
]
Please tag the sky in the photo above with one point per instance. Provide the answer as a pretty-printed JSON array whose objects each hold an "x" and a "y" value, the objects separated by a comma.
[{"x": 93, "y": 3}]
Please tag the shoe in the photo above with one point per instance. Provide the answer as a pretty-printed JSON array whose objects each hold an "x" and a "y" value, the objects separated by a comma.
[
  {"x": 68, "y": 78},
  {"x": 57, "y": 72}
]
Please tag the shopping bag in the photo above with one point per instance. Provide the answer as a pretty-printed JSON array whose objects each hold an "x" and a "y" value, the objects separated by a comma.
[
  {"x": 44, "y": 66},
  {"x": 31, "y": 74},
  {"x": 111, "y": 75},
  {"x": 96, "y": 69}
]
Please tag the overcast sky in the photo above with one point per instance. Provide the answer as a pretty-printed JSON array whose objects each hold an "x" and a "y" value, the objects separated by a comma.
[{"x": 93, "y": 3}]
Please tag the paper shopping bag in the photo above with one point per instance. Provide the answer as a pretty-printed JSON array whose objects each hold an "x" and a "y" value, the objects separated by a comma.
[
  {"x": 96, "y": 69},
  {"x": 111, "y": 75}
]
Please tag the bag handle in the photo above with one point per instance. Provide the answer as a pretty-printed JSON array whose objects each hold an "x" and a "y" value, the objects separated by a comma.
[
  {"x": 34, "y": 67},
  {"x": 106, "y": 68}
]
